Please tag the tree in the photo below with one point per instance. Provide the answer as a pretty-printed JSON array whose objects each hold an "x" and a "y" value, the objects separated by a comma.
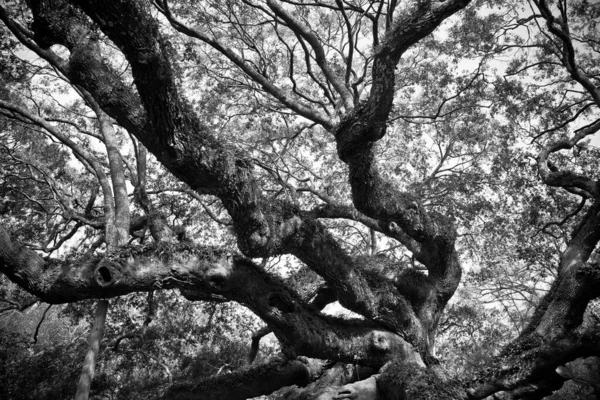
[{"x": 340, "y": 133}]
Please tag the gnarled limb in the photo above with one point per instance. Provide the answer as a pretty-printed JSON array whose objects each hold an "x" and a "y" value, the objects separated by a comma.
[
  {"x": 366, "y": 124},
  {"x": 377, "y": 198},
  {"x": 577, "y": 282},
  {"x": 322, "y": 297},
  {"x": 298, "y": 326},
  {"x": 359, "y": 130},
  {"x": 558, "y": 331},
  {"x": 528, "y": 369},
  {"x": 552, "y": 176},
  {"x": 250, "y": 382}
]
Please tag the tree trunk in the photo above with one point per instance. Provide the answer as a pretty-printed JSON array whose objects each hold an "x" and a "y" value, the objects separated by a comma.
[
  {"x": 89, "y": 364},
  {"x": 117, "y": 229}
]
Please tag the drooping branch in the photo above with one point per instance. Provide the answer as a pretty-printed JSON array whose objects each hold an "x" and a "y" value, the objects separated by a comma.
[
  {"x": 254, "y": 346},
  {"x": 39, "y": 324}
]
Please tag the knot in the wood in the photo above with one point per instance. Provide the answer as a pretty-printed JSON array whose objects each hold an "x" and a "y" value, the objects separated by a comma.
[
  {"x": 380, "y": 341},
  {"x": 105, "y": 274}
]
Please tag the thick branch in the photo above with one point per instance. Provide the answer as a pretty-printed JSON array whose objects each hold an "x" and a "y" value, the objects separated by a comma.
[
  {"x": 122, "y": 216},
  {"x": 250, "y": 382},
  {"x": 366, "y": 124},
  {"x": 358, "y": 132},
  {"x": 529, "y": 370},
  {"x": 567, "y": 179},
  {"x": 578, "y": 281},
  {"x": 205, "y": 271}
]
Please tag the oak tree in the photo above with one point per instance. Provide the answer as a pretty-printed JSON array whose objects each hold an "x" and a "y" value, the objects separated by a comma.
[{"x": 380, "y": 146}]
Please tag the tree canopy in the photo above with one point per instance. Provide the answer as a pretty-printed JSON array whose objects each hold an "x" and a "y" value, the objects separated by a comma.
[{"x": 430, "y": 166}]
